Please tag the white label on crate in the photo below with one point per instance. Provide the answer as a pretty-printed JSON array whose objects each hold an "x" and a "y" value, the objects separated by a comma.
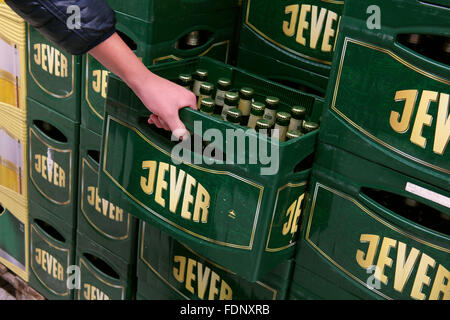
[{"x": 428, "y": 194}]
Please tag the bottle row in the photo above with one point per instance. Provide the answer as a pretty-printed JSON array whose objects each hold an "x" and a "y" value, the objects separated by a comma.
[{"x": 241, "y": 108}]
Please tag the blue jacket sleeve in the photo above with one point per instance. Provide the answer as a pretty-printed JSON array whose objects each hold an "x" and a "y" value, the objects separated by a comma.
[{"x": 57, "y": 21}]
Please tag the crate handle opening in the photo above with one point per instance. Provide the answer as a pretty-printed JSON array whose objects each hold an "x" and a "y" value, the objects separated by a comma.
[
  {"x": 193, "y": 40},
  {"x": 94, "y": 155},
  {"x": 102, "y": 266},
  {"x": 129, "y": 42},
  {"x": 435, "y": 47},
  {"x": 50, "y": 131},
  {"x": 2, "y": 209},
  {"x": 411, "y": 209},
  {"x": 52, "y": 232}
]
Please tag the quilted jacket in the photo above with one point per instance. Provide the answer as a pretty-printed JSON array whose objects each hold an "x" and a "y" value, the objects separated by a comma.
[{"x": 58, "y": 20}]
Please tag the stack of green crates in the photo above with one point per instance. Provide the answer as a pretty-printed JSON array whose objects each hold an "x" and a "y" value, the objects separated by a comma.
[
  {"x": 153, "y": 30},
  {"x": 290, "y": 41},
  {"x": 231, "y": 214},
  {"x": 107, "y": 235},
  {"x": 378, "y": 217},
  {"x": 53, "y": 119}
]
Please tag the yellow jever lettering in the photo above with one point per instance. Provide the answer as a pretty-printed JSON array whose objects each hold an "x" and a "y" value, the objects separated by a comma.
[
  {"x": 87, "y": 291},
  {"x": 423, "y": 118},
  {"x": 329, "y": 32},
  {"x": 226, "y": 293},
  {"x": 57, "y": 63},
  {"x": 399, "y": 123},
  {"x": 51, "y": 59},
  {"x": 97, "y": 81},
  {"x": 190, "y": 275},
  {"x": 38, "y": 256},
  {"x": 442, "y": 134},
  {"x": 441, "y": 284},
  {"x": 293, "y": 213},
  {"x": 213, "y": 291},
  {"x": 202, "y": 201},
  {"x": 147, "y": 184},
  {"x": 178, "y": 273},
  {"x": 421, "y": 277},
  {"x": 403, "y": 266},
  {"x": 37, "y": 53},
  {"x": 91, "y": 191},
  {"x": 289, "y": 26},
  {"x": 188, "y": 198},
  {"x": 44, "y": 57},
  {"x": 316, "y": 25},
  {"x": 367, "y": 260},
  {"x": 37, "y": 163},
  {"x": 161, "y": 184},
  {"x": 202, "y": 281},
  {"x": 176, "y": 187},
  {"x": 383, "y": 259},
  {"x": 302, "y": 24}
]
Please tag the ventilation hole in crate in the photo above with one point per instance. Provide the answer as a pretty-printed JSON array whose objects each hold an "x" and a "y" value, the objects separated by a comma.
[
  {"x": 130, "y": 42},
  {"x": 435, "y": 47},
  {"x": 50, "y": 230},
  {"x": 193, "y": 39},
  {"x": 94, "y": 155},
  {"x": 50, "y": 131},
  {"x": 305, "y": 164},
  {"x": 411, "y": 209},
  {"x": 102, "y": 266},
  {"x": 2, "y": 209}
]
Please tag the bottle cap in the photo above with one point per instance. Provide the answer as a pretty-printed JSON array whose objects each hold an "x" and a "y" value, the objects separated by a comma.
[
  {"x": 293, "y": 134},
  {"x": 231, "y": 99},
  {"x": 201, "y": 74},
  {"x": 272, "y": 103},
  {"x": 206, "y": 88},
  {"x": 262, "y": 124},
  {"x": 207, "y": 105},
  {"x": 185, "y": 79},
  {"x": 224, "y": 84},
  {"x": 234, "y": 115},
  {"x": 283, "y": 119},
  {"x": 308, "y": 126},
  {"x": 257, "y": 109},
  {"x": 298, "y": 112},
  {"x": 246, "y": 93}
]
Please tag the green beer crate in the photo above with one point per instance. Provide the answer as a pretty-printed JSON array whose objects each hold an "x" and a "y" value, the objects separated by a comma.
[
  {"x": 388, "y": 100},
  {"x": 297, "y": 38},
  {"x": 154, "y": 45},
  {"x": 104, "y": 275},
  {"x": 100, "y": 219},
  {"x": 240, "y": 216},
  {"x": 52, "y": 251},
  {"x": 171, "y": 9},
  {"x": 373, "y": 231},
  {"x": 54, "y": 76},
  {"x": 53, "y": 161},
  {"x": 170, "y": 270}
]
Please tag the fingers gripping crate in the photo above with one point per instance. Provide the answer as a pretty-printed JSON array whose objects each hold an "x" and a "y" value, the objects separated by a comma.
[
  {"x": 231, "y": 214},
  {"x": 388, "y": 98}
]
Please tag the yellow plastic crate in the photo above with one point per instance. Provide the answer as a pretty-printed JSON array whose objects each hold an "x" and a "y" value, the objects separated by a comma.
[
  {"x": 13, "y": 88},
  {"x": 13, "y": 156},
  {"x": 14, "y": 243}
]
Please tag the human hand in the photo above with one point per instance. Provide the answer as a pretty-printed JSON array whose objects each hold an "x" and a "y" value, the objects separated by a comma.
[{"x": 164, "y": 99}]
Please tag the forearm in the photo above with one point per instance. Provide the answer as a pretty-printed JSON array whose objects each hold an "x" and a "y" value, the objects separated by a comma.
[{"x": 118, "y": 58}]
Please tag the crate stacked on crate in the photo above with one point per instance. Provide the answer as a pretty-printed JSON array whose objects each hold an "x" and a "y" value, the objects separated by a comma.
[
  {"x": 160, "y": 32},
  {"x": 230, "y": 216},
  {"x": 291, "y": 42},
  {"x": 13, "y": 144},
  {"x": 377, "y": 221}
]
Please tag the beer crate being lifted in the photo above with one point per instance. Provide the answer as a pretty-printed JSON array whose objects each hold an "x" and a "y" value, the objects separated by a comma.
[{"x": 242, "y": 215}]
